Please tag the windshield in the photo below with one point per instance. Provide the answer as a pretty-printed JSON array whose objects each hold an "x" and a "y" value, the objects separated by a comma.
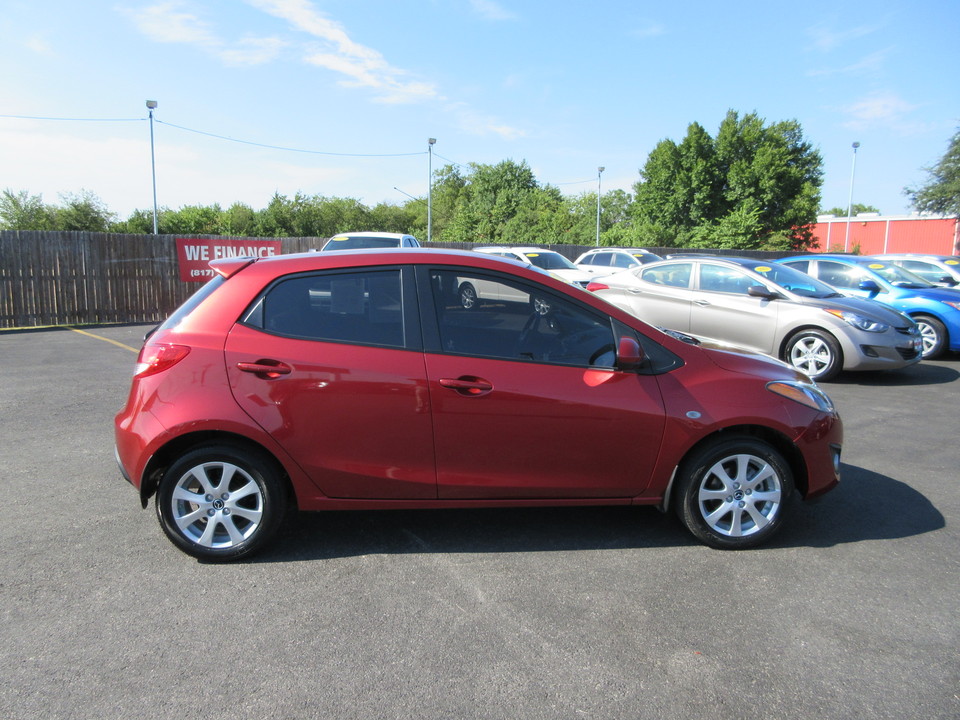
[
  {"x": 549, "y": 260},
  {"x": 896, "y": 275},
  {"x": 793, "y": 280},
  {"x": 356, "y": 242}
]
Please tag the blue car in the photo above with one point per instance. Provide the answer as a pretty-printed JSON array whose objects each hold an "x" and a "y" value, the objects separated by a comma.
[{"x": 935, "y": 309}]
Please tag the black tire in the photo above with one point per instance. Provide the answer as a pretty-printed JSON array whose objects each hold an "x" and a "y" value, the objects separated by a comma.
[
  {"x": 934, "y": 335},
  {"x": 814, "y": 352},
  {"x": 221, "y": 502},
  {"x": 734, "y": 494},
  {"x": 468, "y": 296}
]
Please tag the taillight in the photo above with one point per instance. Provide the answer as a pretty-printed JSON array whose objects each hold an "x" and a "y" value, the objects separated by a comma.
[
  {"x": 155, "y": 358},
  {"x": 593, "y": 286}
]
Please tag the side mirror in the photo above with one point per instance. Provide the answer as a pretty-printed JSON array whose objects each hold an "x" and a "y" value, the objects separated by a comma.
[
  {"x": 947, "y": 280},
  {"x": 629, "y": 354},
  {"x": 761, "y": 292},
  {"x": 871, "y": 287}
]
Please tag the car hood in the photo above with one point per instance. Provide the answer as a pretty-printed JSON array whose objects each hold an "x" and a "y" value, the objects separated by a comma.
[
  {"x": 938, "y": 293},
  {"x": 573, "y": 276},
  {"x": 871, "y": 309},
  {"x": 740, "y": 360}
]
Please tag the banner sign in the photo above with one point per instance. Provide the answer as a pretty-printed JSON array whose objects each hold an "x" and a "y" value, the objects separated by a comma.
[{"x": 195, "y": 254}]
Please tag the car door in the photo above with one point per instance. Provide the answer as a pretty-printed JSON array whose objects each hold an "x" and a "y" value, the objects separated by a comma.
[
  {"x": 722, "y": 309},
  {"x": 661, "y": 296},
  {"x": 526, "y": 402},
  {"x": 330, "y": 365}
]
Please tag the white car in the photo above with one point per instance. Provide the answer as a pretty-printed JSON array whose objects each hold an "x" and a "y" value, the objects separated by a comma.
[
  {"x": 942, "y": 270},
  {"x": 549, "y": 260},
  {"x": 603, "y": 261},
  {"x": 377, "y": 240}
]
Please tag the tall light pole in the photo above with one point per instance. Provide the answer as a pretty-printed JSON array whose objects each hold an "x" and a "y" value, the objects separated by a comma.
[
  {"x": 599, "y": 171},
  {"x": 853, "y": 172},
  {"x": 151, "y": 106},
  {"x": 430, "y": 144}
]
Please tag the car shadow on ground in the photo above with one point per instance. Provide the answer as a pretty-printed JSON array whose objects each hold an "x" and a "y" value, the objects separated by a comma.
[
  {"x": 865, "y": 506},
  {"x": 927, "y": 372}
]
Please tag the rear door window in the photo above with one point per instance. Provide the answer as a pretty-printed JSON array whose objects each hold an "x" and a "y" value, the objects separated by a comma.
[{"x": 361, "y": 307}]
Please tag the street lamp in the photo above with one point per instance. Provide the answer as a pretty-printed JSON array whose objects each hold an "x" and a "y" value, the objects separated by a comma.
[
  {"x": 151, "y": 106},
  {"x": 430, "y": 143},
  {"x": 853, "y": 172},
  {"x": 599, "y": 171}
]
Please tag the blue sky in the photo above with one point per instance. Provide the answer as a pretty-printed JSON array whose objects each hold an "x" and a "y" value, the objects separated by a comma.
[{"x": 357, "y": 86}]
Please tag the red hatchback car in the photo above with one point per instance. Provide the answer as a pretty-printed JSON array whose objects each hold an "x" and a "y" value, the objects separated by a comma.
[{"x": 358, "y": 380}]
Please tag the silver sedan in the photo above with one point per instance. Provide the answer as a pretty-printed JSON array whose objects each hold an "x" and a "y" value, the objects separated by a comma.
[{"x": 769, "y": 308}]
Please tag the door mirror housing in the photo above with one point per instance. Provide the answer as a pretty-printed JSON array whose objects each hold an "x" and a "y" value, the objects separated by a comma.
[
  {"x": 629, "y": 354},
  {"x": 762, "y": 292},
  {"x": 871, "y": 286}
]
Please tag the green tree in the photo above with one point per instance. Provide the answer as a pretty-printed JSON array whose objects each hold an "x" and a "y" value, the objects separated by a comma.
[
  {"x": 854, "y": 209},
  {"x": 753, "y": 178},
  {"x": 941, "y": 193},
  {"x": 82, "y": 211},
  {"x": 23, "y": 211}
]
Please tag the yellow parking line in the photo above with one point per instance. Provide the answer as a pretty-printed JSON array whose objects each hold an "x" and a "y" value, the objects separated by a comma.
[{"x": 99, "y": 337}]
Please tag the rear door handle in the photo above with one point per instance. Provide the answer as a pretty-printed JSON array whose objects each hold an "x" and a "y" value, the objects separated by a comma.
[
  {"x": 467, "y": 385},
  {"x": 265, "y": 369}
]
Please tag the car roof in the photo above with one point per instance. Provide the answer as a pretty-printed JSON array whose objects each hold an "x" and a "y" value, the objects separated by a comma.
[
  {"x": 517, "y": 249},
  {"x": 377, "y": 234}
]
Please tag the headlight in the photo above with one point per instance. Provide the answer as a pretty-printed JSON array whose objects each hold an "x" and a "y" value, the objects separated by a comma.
[
  {"x": 859, "y": 321},
  {"x": 954, "y": 305},
  {"x": 804, "y": 393}
]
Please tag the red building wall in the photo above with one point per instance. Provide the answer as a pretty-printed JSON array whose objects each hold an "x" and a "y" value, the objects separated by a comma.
[{"x": 872, "y": 235}]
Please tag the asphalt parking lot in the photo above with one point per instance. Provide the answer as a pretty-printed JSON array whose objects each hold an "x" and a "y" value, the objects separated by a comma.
[{"x": 541, "y": 613}]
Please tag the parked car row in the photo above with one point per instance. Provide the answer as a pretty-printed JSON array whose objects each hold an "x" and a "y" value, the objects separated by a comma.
[
  {"x": 821, "y": 328},
  {"x": 820, "y": 313}
]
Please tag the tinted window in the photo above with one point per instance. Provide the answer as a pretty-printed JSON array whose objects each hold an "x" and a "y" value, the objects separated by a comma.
[
  {"x": 356, "y": 242},
  {"x": 513, "y": 321},
  {"x": 549, "y": 260},
  {"x": 364, "y": 308},
  {"x": 839, "y": 275},
  {"x": 801, "y": 265},
  {"x": 673, "y": 275},
  {"x": 716, "y": 278},
  {"x": 623, "y": 261}
]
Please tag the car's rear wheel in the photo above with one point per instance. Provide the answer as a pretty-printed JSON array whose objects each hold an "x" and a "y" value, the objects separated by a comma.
[
  {"x": 221, "y": 502},
  {"x": 815, "y": 353},
  {"x": 733, "y": 494},
  {"x": 934, "y": 335}
]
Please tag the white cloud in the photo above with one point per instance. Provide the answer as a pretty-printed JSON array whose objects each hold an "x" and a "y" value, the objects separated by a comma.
[
  {"x": 168, "y": 22},
  {"x": 364, "y": 66},
  {"x": 490, "y": 10},
  {"x": 827, "y": 39},
  {"x": 649, "y": 29},
  {"x": 882, "y": 109}
]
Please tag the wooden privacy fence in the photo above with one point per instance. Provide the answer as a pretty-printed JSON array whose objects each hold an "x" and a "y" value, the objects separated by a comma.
[
  {"x": 73, "y": 278},
  {"x": 84, "y": 278}
]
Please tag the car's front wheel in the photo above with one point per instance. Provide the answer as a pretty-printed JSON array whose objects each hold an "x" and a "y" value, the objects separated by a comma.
[
  {"x": 815, "y": 353},
  {"x": 934, "y": 335},
  {"x": 468, "y": 296},
  {"x": 733, "y": 493},
  {"x": 221, "y": 502}
]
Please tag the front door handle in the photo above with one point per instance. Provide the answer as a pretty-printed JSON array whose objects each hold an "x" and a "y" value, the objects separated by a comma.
[
  {"x": 265, "y": 369},
  {"x": 701, "y": 303},
  {"x": 467, "y": 385}
]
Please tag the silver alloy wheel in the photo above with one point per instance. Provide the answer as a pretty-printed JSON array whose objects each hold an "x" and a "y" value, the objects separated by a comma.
[
  {"x": 931, "y": 338},
  {"x": 217, "y": 505},
  {"x": 740, "y": 495},
  {"x": 811, "y": 355},
  {"x": 468, "y": 296}
]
